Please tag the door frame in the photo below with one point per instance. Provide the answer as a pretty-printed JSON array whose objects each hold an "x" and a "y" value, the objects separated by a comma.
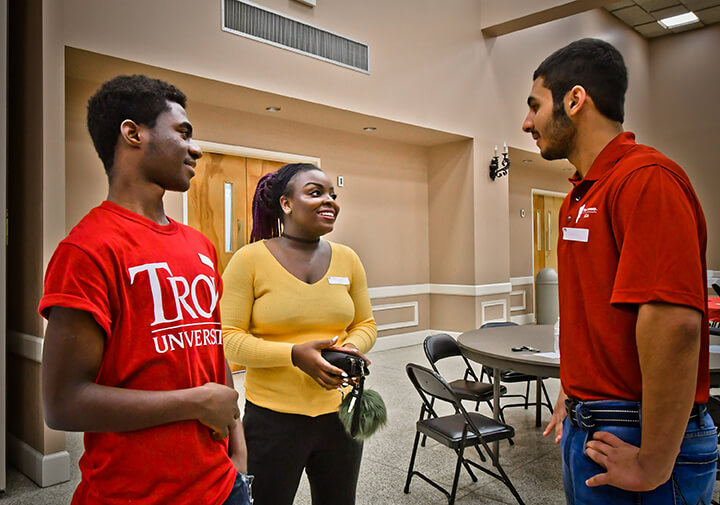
[
  {"x": 533, "y": 192},
  {"x": 246, "y": 152}
]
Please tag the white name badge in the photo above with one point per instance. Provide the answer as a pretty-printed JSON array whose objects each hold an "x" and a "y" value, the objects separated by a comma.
[
  {"x": 343, "y": 281},
  {"x": 576, "y": 234}
]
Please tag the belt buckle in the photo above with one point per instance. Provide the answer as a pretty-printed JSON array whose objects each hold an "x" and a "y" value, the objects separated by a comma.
[
  {"x": 580, "y": 415},
  {"x": 571, "y": 408},
  {"x": 585, "y": 416}
]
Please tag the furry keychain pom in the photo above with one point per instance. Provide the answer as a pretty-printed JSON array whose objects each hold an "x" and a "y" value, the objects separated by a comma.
[{"x": 373, "y": 414}]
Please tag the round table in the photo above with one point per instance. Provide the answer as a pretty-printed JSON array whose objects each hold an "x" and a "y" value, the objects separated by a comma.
[{"x": 493, "y": 347}]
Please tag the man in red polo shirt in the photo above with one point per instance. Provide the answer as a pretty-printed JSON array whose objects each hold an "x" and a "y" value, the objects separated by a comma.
[{"x": 633, "y": 297}]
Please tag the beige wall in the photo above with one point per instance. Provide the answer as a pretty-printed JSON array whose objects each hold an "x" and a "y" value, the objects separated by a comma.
[
  {"x": 31, "y": 203},
  {"x": 451, "y": 213},
  {"x": 685, "y": 113}
]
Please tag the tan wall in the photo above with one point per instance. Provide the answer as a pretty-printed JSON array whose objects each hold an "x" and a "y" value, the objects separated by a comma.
[
  {"x": 686, "y": 113},
  {"x": 514, "y": 58},
  {"x": 451, "y": 211},
  {"x": 452, "y": 313},
  {"x": 383, "y": 203},
  {"x": 27, "y": 211},
  {"x": 402, "y": 315},
  {"x": 25, "y": 159},
  {"x": 417, "y": 75},
  {"x": 523, "y": 178}
]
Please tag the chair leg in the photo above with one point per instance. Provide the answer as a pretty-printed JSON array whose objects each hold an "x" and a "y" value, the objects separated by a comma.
[
  {"x": 508, "y": 483},
  {"x": 412, "y": 463},
  {"x": 460, "y": 460},
  {"x": 527, "y": 395},
  {"x": 547, "y": 397},
  {"x": 467, "y": 467},
  {"x": 502, "y": 420}
]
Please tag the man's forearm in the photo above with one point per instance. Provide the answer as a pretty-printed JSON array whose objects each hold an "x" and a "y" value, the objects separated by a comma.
[
  {"x": 95, "y": 408},
  {"x": 668, "y": 343},
  {"x": 237, "y": 447}
]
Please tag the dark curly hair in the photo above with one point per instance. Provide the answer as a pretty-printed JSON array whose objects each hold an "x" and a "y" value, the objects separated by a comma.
[
  {"x": 135, "y": 97},
  {"x": 593, "y": 64},
  {"x": 267, "y": 213}
]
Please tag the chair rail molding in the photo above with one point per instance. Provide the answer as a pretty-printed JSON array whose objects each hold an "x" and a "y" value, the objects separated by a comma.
[
  {"x": 501, "y": 288},
  {"x": 28, "y": 346}
]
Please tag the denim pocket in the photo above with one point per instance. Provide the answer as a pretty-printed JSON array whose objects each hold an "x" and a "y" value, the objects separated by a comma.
[{"x": 694, "y": 474}]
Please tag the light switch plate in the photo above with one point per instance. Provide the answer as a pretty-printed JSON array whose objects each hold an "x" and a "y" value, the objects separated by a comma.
[{"x": 341, "y": 181}]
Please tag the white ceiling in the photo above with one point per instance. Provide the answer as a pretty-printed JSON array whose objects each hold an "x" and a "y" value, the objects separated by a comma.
[{"x": 642, "y": 15}]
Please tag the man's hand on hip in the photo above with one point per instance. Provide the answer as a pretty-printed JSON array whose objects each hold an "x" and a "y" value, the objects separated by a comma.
[{"x": 625, "y": 467}]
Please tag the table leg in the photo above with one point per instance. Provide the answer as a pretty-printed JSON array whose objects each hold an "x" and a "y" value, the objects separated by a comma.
[
  {"x": 538, "y": 402},
  {"x": 496, "y": 406}
]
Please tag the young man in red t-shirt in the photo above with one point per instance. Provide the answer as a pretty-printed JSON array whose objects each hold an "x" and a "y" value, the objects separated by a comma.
[
  {"x": 133, "y": 351},
  {"x": 633, "y": 296}
]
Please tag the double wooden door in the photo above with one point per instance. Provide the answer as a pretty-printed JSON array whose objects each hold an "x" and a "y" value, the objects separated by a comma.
[
  {"x": 546, "y": 211},
  {"x": 220, "y": 200}
]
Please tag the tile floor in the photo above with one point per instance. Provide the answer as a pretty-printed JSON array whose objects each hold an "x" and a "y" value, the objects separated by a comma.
[{"x": 533, "y": 463}]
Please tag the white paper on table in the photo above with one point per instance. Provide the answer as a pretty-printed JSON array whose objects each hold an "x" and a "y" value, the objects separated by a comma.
[
  {"x": 556, "y": 355},
  {"x": 715, "y": 348}
]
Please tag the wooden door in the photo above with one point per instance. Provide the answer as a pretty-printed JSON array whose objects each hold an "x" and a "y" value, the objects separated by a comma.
[
  {"x": 220, "y": 200},
  {"x": 546, "y": 212},
  {"x": 217, "y": 203}
]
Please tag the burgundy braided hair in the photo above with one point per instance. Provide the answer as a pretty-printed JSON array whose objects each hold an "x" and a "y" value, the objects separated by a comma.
[{"x": 267, "y": 213}]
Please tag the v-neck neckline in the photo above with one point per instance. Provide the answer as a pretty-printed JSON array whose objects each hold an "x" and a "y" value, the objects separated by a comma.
[{"x": 288, "y": 272}]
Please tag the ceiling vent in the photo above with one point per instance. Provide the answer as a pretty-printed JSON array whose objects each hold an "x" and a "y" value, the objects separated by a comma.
[{"x": 250, "y": 20}]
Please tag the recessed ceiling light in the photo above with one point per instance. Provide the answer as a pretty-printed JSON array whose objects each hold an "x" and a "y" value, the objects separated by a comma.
[
  {"x": 681, "y": 20},
  {"x": 369, "y": 129},
  {"x": 272, "y": 109}
]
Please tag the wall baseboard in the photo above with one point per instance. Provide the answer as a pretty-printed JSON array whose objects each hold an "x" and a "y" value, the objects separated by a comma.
[{"x": 44, "y": 469}]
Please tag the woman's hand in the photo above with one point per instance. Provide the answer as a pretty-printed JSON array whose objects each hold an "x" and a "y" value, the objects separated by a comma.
[
  {"x": 351, "y": 349},
  {"x": 307, "y": 358}
]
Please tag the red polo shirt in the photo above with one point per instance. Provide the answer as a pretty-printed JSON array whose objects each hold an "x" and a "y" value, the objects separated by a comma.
[{"x": 632, "y": 232}]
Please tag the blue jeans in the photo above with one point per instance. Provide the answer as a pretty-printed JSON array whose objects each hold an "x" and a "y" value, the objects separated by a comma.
[
  {"x": 240, "y": 494},
  {"x": 692, "y": 479}
]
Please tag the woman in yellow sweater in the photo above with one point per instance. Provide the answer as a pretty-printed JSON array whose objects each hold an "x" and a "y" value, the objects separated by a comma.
[{"x": 287, "y": 296}]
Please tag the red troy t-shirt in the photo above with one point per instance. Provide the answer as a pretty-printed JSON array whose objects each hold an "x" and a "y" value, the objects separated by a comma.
[
  {"x": 632, "y": 232},
  {"x": 154, "y": 290}
]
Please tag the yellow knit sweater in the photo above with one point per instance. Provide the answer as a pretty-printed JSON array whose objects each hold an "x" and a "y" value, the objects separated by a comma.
[{"x": 266, "y": 310}]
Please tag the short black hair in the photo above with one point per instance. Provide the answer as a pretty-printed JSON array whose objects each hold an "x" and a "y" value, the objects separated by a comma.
[
  {"x": 593, "y": 64},
  {"x": 135, "y": 97}
]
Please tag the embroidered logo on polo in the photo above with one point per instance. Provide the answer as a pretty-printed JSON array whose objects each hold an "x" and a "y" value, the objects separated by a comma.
[
  {"x": 585, "y": 212},
  {"x": 191, "y": 303}
]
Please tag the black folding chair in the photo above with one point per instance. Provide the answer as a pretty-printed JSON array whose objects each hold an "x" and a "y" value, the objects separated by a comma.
[
  {"x": 510, "y": 376},
  {"x": 456, "y": 431},
  {"x": 442, "y": 346}
]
